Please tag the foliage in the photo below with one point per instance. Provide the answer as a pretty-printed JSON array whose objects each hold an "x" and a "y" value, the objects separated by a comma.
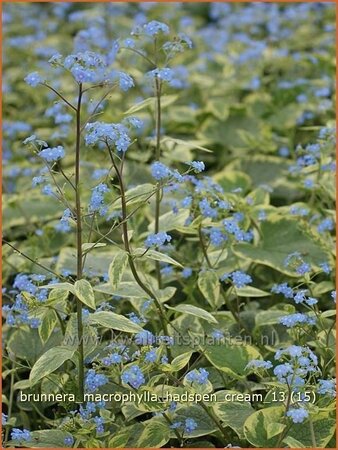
[{"x": 169, "y": 225}]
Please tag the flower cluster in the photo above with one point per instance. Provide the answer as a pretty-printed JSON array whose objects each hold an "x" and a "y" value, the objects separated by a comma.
[
  {"x": 239, "y": 279},
  {"x": 21, "y": 435},
  {"x": 157, "y": 239},
  {"x": 52, "y": 154},
  {"x": 96, "y": 203},
  {"x": 188, "y": 426},
  {"x": 94, "y": 380},
  {"x": 133, "y": 376},
  {"x": 199, "y": 376}
]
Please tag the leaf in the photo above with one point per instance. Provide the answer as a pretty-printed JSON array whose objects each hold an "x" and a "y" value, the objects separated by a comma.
[
  {"x": 180, "y": 361},
  {"x": 209, "y": 285},
  {"x": 205, "y": 425},
  {"x": 324, "y": 429},
  {"x": 49, "y": 320},
  {"x": 26, "y": 344},
  {"x": 46, "y": 439},
  {"x": 230, "y": 180},
  {"x": 250, "y": 291},
  {"x": 114, "y": 321},
  {"x": 231, "y": 359},
  {"x": 71, "y": 340},
  {"x": 279, "y": 238},
  {"x": 193, "y": 145},
  {"x": 194, "y": 311},
  {"x": 62, "y": 286},
  {"x": 155, "y": 435},
  {"x": 137, "y": 194},
  {"x": 17, "y": 207},
  {"x": 96, "y": 260},
  {"x": 166, "y": 100},
  {"x": 170, "y": 221},
  {"x": 117, "y": 268},
  {"x": 125, "y": 289},
  {"x": 165, "y": 294},
  {"x": 127, "y": 437},
  {"x": 256, "y": 426},
  {"x": 156, "y": 256},
  {"x": 292, "y": 443},
  {"x": 269, "y": 317},
  {"x": 274, "y": 429},
  {"x": 49, "y": 362},
  {"x": 84, "y": 292},
  {"x": 234, "y": 414}
]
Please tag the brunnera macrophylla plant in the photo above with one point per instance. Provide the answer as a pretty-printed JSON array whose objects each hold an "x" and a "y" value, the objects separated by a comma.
[{"x": 184, "y": 310}]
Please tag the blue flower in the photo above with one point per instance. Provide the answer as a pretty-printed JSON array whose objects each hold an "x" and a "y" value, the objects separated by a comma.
[
  {"x": 129, "y": 43},
  {"x": 199, "y": 376},
  {"x": 154, "y": 27},
  {"x": 190, "y": 425},
  {"x": 282, "y": 370},
  {"x": 325, "y": 267},
  {"x": 167, "y": 270},
  {"x": 124, "y": 79},
  {"x": 144, "y": 337},
  {"x": 99, "y": 424},
  {"x": 96, "y": 203},
  {"x": 93, "y": 380},
  {"x": 4, "y": 419},
  {"x": 47, "y": 190},
  {"x": 303, "y": 268},
  {"x": 160, "y": 171},
  {"x": 217, "y": 334},
  {"x": 52, "y": 154},
  {"x": 68, "y": 441},
  {"x": 297, "y": 319},
  {"x": 297, "y": 415},
  {"x": 206, "y": 209},
  {"x": 327, "y": 387},
  {"x": 325, "y": 225},
  {"x": 259, "y": 364},
  {"x": 151, "y": 356},
  {"x": 186, "y": 272},
  {"x": 217, "y": 238},
  {"x": 64, "y": 225},
  {"x": 198, "y": 166},
  {"x": 133, "y": 376},
  {"x": 300, "y": 296},
  {"x": 165, "y": 74},
  {"x": 21, "y": 435},
  {"x": 115, "y": 134},
  {"x": 333, "y": 295},
  {"x": 154, "y": 240},
  {"x": 33, "y": 79},
  {"x": 115, "y": 358},
  {"x": 240, "y": 279}
]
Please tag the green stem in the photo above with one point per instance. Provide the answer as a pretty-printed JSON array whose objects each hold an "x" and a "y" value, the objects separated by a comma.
[
  {"x": 214, "y": 418},
  {"x": 10, "y": 400},
  {"x": 312, "y": 432},
  {"x": 79, "y": 244}
]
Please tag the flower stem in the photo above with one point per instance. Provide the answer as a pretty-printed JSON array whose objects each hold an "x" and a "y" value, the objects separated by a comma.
[
  {"x": 10, "y": 401},
  {"x": 128, "y": 249},
  {"x": 157, "y": 157},
  {"x": 79, "y": 244}
]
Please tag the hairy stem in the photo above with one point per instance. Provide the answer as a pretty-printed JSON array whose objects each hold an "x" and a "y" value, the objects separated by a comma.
[
  {"x": 79, "y": 243},
  {"x": 128, "y": 249},
  {"x": 157, "y": 157}
]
